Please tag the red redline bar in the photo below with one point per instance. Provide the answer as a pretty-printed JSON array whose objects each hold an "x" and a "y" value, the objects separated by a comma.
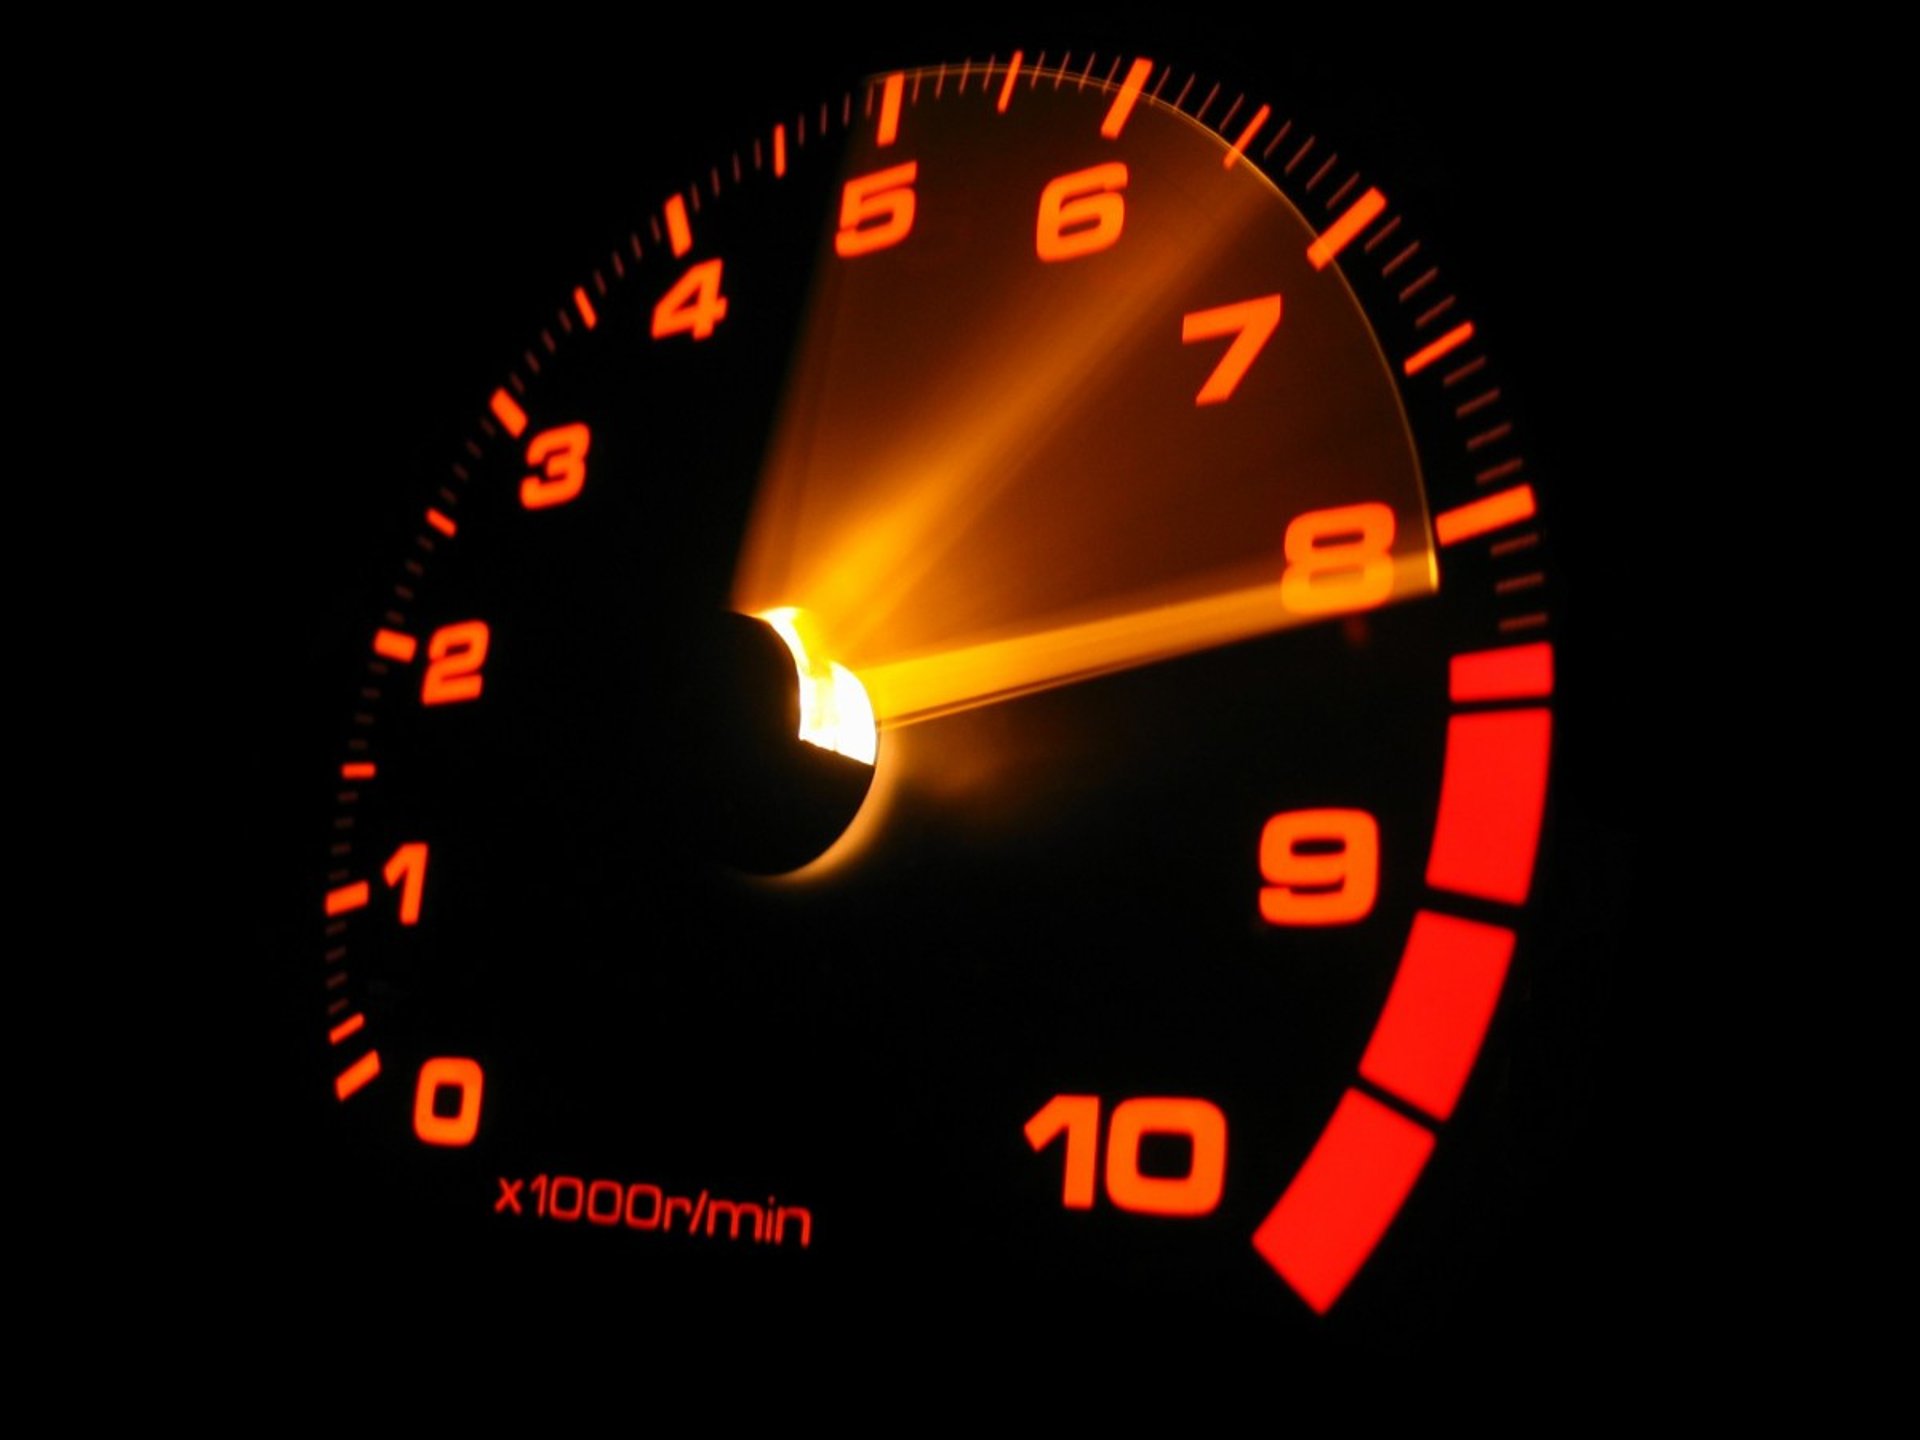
[
  {"x": 780, "y": 149},
  {"x": 357, "y": 770},
  {"x": 890, "y": 94},
  {"x": 679, "y": 232},
  {"x": 1342, "y": 233},
  {"x": 1137, "y": 76},
  {"x": 1006, "y": 87},
  {"x": 585, "y": 307},
  {"x": 1513, "y": 672},
  {"x": 352, "y": 1025},
  {"x": 393, "y": 645},
  {"x": 347, "y": 897},
  {"x": 1239, "y": 147},
  {"x": 1493, "y": 791},
  {"x": 1344, "y": 1197},
  {"x": 442, "y": 522},
  {"x": 508, "y": 412},
  {"x": 1445, "y": 345},
  {"x": 1430, "y": 1031},
  {"x": 357, "y": 1074},
  {"x": 1478, "y": 517}
]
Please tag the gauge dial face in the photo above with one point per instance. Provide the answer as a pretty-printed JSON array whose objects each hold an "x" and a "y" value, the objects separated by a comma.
[{"x": 1101, "y": 472}]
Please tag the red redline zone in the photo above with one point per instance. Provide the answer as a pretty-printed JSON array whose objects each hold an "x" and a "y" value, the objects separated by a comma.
[
  {"x": 1344, "y": 1197},
  {"x": 1430, "y": 1030},
  {"x": 1493, "y": 793},
  {"x": 1512, "y": 672}
]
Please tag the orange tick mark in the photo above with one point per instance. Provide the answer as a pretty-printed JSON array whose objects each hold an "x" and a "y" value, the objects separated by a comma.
[
  {"x": 1137, "y": 76},
  {"x": 347, "y": 897},
  {"x": 1341, "y": 233},
  {"x": 679, "y": 233},
  {"x": 508, "y": 412},
  {"x": 1239, "y": 146},
  {"x": 1446, "y": 344},
  {"x": 890, "y": 108},
  {"x": 357, "y": 1074},
  {"x": 1464, "y": 522},
  {"x": 1006, "y": 86},
  {"x": 393, "y": 645},
  {"x": 352, "y": 1025}
]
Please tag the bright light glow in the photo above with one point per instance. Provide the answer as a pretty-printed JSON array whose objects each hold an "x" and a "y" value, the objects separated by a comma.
[
  {"x": 939, "y": 683},
  {"x": 995, "y": 496},
  {"x": 835, "y": 713}
]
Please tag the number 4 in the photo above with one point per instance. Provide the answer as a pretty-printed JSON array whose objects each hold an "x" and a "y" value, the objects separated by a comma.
[{"x": 693, "y": 306}]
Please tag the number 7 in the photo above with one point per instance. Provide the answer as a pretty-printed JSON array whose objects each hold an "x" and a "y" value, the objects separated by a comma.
[{"x": 1254, "y": 320}]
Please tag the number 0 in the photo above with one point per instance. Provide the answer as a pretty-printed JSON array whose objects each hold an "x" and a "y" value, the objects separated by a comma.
[{"x": 463, "y": 1077}]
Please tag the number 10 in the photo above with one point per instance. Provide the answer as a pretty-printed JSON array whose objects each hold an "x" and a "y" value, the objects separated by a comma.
[{"x": 1078, "y": 1116}]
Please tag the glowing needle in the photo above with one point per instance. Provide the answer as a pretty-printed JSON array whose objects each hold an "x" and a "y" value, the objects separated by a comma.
[{"x": 924, "y": 686}]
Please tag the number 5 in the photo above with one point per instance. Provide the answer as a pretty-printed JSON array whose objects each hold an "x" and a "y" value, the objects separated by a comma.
[{"x": 876, "y": 210}]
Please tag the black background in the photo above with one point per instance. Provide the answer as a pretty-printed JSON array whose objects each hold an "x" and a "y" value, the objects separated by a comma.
[{"x": 426, "y": 210}]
